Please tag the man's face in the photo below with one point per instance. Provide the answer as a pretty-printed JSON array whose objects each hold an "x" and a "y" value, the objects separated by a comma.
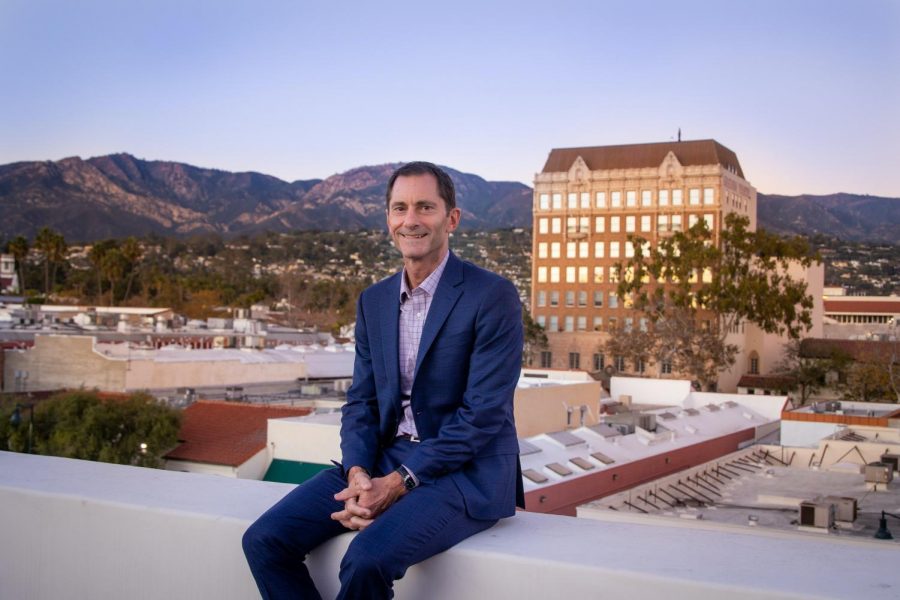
[{"x": 418, "y": 219}]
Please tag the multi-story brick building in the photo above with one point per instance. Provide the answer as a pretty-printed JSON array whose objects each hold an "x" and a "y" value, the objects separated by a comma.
[{"x": 586, "y": 203}]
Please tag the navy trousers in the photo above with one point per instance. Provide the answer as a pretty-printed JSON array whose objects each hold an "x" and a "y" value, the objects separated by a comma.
[{"x": 424, "y": 522}]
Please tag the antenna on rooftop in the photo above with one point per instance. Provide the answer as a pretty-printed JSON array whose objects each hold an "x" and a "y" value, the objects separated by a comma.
[{"x": 679, "y": 134}]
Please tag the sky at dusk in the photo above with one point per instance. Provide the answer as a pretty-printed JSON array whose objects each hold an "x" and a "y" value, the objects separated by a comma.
[{"x": 807, "y": 93}]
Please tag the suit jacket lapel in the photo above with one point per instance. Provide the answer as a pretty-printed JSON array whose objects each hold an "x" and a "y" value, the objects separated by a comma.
[
  {"x": 448, "y": 291},
  {"x": 390, "y": 335}
]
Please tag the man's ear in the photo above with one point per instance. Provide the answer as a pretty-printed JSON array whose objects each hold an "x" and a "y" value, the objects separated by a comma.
[{"x": 454, "y": 217}]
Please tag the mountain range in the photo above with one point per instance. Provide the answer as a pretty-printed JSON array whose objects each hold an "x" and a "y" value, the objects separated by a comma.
[{"x": 120, "y": 195}]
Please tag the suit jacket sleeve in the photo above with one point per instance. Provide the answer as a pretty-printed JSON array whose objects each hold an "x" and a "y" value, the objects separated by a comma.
[{"x": 487, "y": 403}]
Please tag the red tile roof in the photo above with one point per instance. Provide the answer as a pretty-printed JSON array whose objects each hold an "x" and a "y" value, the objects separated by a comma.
[
  {"x": 636, "y": 156},
  {"x": 846, "y": 305},
  {"x": 767, "y": 382},
  {"x": 226, "y": 433}
]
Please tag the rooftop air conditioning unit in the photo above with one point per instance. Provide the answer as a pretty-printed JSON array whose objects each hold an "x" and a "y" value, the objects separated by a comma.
[
  {"x": 891, "y": 459},
  {"x": 814, "y": 514},
  {"x": 879, "y": 472},
  {"x": 647, "y": 421},
  {"x": 845, "y": 508}
]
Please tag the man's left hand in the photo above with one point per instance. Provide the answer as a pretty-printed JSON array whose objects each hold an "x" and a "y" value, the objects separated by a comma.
[{"x": 361, "y": 506}]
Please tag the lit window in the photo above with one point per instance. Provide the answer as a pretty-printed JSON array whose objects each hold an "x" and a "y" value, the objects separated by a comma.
[
  {"x": 629, "y": 250},
  {"x": 573, "y": 200},
  {"x": 694, "y": 196},
  {"x": 676, "y": 222},
  {"x": 557, "y": 201},
  {"x": 613, "y": 275},
  {"x": 572, "y": 224},
  {"x": 570, "y": 249},
  {"x": 582, "y": 325},
  {"x": 710, "y": 220},
  {"x": 542, "y": 250},
  {"x": 615, "y": 224},
  {"x": 601, "y": 199},
  {"x": 662, "y": 223},
  {"x": 584, "y": 224},
  {"x": 598, "y": 325},
  {"x": 557, "y": 225},
  {"x": 646, "y": 198},
  {"x": 676, "y": 197},
  {"x": 600, "y": 224},
  {"x": 585, "y": 200},
  {"x": 663, "y": 197},
  {"x": 631, "y": 198},
  {"x": 598, "y": 274},
  {"x": 554, "y": 249},
  {"x": 542, "y": 321},
  {"x": 614, "y": 249},
  {"x": 616, "y": 199},
  {"x": 570, "y": 274},
  {"x": 543, "y": 225},
  {"x": 629, "y": 224},
  {"x": 584, "y": 250},
  {"x": 709, "y": 196},
  {"x": 692, "y": 220},
  {"x": 646, "y": 223},
  {"x": 542, "y": 275},
  {"x": 582, "y": 274},
  {"x": 598, "y": 249},
  {"x": 707, "y": 275},
  {"x": 554, "y": 274},
  {"x": 545, "y": 201}
]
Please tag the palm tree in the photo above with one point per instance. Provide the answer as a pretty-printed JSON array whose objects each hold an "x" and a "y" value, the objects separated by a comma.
[
  {"x": 18, "y": 247},
  {"x": 131, "y": 251},
  {"x": 52, "y": 246}
]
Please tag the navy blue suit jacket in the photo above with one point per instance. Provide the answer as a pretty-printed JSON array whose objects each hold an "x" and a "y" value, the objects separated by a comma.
[{"x": 467, "y": 368}]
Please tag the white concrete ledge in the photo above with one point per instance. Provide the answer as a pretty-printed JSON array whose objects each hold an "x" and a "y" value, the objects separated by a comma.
[{"x": 76, "y": 529}]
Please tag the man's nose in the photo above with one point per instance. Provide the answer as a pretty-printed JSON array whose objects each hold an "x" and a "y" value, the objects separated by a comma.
[{"x": 410, "y": 219}]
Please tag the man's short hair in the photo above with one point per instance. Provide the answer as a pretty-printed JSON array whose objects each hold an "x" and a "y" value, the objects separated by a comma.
[{"x": 445, "y": 185}]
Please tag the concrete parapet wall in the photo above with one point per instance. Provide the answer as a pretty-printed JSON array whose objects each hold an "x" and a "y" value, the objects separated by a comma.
[{"x": 76, "y": 529}]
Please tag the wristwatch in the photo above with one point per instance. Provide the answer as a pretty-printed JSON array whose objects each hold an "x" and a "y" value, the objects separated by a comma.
[{"x": 408, "y": 481}]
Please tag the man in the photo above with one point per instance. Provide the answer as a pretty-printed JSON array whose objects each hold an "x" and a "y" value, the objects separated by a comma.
[{"x": 430, "y": 454}]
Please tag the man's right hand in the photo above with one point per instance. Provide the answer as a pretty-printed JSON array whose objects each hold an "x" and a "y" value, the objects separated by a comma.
[{"x": 354, "y": 516}]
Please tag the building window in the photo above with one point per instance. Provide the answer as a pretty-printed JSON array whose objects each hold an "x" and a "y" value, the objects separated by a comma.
[
  {"x": 663, "y": 197},
  {"x": 542, "y": 275},
  {"x": 554, "y": 323},
  {"x": 584, "y": 224},
  {"x": 584, "y": 250},
  {"x": 544, "y": 225},
  {"x": 542, "y": 250},
  {"x": 676, "y": 198},
  {"x": 642, "y": 324},
  {"x": 709, "y": 196},
  {"x": 646, "y": 198},
  {"x": 573, "y": 200},
  {"x": 598, "y": 299},
  {"x": 613, "y": 300},
  {"x": 640, "y": 366},
  {"x": 557, "y": 201},
  {"x": 598, "y": 362},
  {"x": 631, "y": 198},
  {"x": 570, "y": 323},
  {"x": 554, "y": 274},
  {"x": 616, "y": 199},
  {"x": 572, "y": 224},
  {"x": 692, "y": 220},
  {"x": 542, "y": 321},
  {"x": 554, "y": 298},
  {"x": 582, "y": 324},
  {"x": 546, "y": 359},
  {"x": 662, "y": 223},
  {"x": 614, "y": 224},
  {"x": 542, "y": 298},
  {"x": 545, "y": 201},
  {"x": 614, "y": 249},
  {"x": 556, "y": 225},
  {"x": 600, "y": 224},
  {"x": 629, "y": 324},
  {"x": 570, "y": 250},
  {"x": 629, "y": 250},
  {"x": 754, "y": 363},
  {"x": 582, "y": 274},
  {"x": 676, "y": 222},
  {"x": 601, "y": 199},
  {"x": 554, "y": 249},
  {"x": 582, "y": 298},
  {"x": 694, "y": 196},
  {"x": 570, "y": 274},
  {"x": 646, "y": 223},
  {"x": 570, "y": 298},
  {"x": 585, "y": 200},
  {"x": 598, "y": 323},
  {"x": 598, "y": 249},
  {"x": 611, "y": 324},
  {"x": 598, "y": 274},
  {"x": 629, "y": 224},
  {"x": 574, "y": 360},
  {"x": 613, "y": 275},
  {"x": 619, "y": 363},
  {"x": 666, "y": 367},
  {"x": 710, "y": 221}
]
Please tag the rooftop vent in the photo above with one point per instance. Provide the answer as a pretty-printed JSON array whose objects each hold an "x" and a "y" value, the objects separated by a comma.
[
  {"x": 817, "y": 514},
  {"x": 879, "y": 472}
]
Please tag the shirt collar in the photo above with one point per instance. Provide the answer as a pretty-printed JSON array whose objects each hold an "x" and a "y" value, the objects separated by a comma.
[{"x": 429, "y": 285}]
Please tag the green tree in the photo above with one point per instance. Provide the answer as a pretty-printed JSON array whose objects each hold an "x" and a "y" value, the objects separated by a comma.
[
  {"x": 18, "y": 247},
  {"x": 807, "y": 373},
  {"x": 132, "y": 253},
  {"x": 136, "y": 430},
  {"x": 695, "y": 289},
  {"x": 52, "y": 246},
  {"x": 535, "y": 338}
]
